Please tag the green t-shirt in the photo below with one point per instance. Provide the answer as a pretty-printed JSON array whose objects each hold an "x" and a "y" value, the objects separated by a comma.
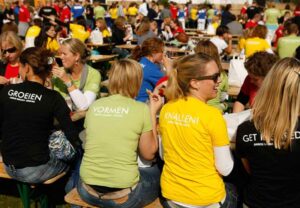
[
  {"x": 210, "y": 13},
  {"x": 272, "y": 16},
  {"x": 113, "y": 125},
  {"x": 92, "y": 83},
  {"x": 99, "y": 12},
  {"x": 223, "y": 87},
  {"x": 287, "y": 46}
]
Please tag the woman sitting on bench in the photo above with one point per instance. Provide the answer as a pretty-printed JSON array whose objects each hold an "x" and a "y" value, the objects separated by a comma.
[
  {"x": 27, "y": 112},
  {"x": 118, "y": 128}
]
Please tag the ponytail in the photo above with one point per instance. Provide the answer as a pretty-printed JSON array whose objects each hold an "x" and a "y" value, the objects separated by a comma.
[
  {"x": 185, "y": 69},
  {"x": 173, "y": 90}
]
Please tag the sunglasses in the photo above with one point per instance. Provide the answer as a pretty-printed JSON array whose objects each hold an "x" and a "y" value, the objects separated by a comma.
[
  {"x": 215, "y": 77},
  {"x": 9, "y": 50}
]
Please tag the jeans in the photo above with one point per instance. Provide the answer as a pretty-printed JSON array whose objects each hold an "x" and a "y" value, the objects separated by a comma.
[
  {"x": 146, "y": 191},
  {"x": 230, "y": 200},
  {"x": 38, "y": 174}
]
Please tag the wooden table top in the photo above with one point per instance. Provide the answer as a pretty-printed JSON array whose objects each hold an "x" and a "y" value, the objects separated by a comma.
[
  {"x": 98, "y": 45},
  {"x": 126, "y": 46},
  {"x": 101, "y": 58}
]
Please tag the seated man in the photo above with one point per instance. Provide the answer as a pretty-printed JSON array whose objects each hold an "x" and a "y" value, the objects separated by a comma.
[
  {"x": 257, "y": 65},
  {"x": 223, "y": 40}
]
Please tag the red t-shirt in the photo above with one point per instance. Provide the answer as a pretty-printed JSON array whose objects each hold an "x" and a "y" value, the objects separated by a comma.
[
  {"x": 244, "y": 10},
  {"x": 297, "y": 11},
  {"x": 24, "y": 14},
  {"x": 178, "y": 30},
  {"x": 249, "y": 89},
  {"x": 250, "y": 24},
  {"x": 11, "y": 71},
  {"x": 65, "y": 14},
  {"x": 174, "y": 11},
  {"x": 279, "y": 34}
]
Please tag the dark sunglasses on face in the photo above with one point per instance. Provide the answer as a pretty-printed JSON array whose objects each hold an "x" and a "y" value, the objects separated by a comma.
[
  {"x": 9, "y": 50},
  {"x": 215, "y": 77}
]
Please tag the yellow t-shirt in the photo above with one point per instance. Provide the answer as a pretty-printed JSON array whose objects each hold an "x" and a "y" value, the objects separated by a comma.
[
  {"x": 33, "y": 31},
  {"x": 113, "y": 13},
  {"x": 79, "y": 32},
  {"x": 190, "y": 129},
  {"x": 215, "y": 25},
  {"x": 52, "y": 45},
  {"x": 132, "y": 11},
  {"x": 106, "y": 33},
  {"x": 253, "y": 45},
  {"x": 194, "y": 13},
  {"x": 242, "y": 42}
]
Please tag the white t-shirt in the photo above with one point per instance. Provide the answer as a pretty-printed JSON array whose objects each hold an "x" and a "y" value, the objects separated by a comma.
[{"x": 220, "y": 43}]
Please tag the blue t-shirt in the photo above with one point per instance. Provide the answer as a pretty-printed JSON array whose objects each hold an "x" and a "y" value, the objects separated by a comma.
[
  {"x": 202, "y": 14},
  {"x": 151, "y": 75},
  {"x": 181, "y": 14},
  {"x": 77, "y": 10}
]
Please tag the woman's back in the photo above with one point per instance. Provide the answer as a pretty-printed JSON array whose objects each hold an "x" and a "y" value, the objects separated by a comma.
[
  {"x": 190, "y": 129},
  {"x": 275, "y": 176},
  {"x": 27, "y": 113},
  {"x": 113, "y": 126}
]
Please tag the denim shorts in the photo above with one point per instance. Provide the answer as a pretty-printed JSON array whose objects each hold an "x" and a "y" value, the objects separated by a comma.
[
  {"x": 146, "y": 191},
  {"x": 230, "y": 200},
  {"x": 37, "y": 174}
]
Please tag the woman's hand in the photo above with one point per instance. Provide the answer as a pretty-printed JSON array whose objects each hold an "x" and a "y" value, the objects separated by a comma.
[
  {"x": 168, "y": 63},
  {"x": 155, "y": 102},
  {"x": 3, "y": 80},
  {"x": 60, "y": 73}
]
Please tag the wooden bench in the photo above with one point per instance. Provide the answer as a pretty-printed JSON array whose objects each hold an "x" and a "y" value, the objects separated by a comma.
[
  {"x": 73, "y": 198},
  {"x": 24, "y": 188}
]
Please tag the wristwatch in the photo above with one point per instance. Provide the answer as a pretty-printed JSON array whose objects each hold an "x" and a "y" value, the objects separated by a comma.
[{"x": 68, "y": 84}]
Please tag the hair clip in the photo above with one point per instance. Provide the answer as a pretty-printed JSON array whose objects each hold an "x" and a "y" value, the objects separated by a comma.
[
  {"x": 62, "y": 40},
  {"x": 51, "y": 60}
]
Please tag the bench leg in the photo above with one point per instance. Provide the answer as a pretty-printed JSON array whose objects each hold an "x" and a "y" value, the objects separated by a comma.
[
  {"x": 24, "y": 191},
  {"x": 44, "y": 202}
]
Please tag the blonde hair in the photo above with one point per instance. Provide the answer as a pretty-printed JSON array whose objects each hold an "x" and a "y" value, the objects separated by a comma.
[
  {"x": 185, "y": 69},
  {"x": 125, "y": 78},
  {"x": 77, "y": 46},
  {"x": 276, "y": 108},
  {"x": 13, "y": 39}
]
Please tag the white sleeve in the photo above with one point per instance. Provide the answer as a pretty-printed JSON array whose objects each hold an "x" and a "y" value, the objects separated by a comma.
[
  {"x": 269, "y": 50},
  {"x": 223, "y": 160},
  {"x": 82, "y": 100}
]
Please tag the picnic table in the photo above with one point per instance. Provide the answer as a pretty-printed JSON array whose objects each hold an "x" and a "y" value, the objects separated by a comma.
[
  {"x": 126, "y": 46},
  {"x": 102, "y": 58}
]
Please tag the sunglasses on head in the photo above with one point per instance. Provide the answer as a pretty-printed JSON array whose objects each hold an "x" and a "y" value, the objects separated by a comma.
[
  {"x": 213, "y": 77},
  {"x": 9, "y": 50}
]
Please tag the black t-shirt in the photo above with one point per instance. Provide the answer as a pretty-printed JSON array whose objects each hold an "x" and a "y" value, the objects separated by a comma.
[
  {"x": 47, "y": 11},
  {"x": 252, "y": 11},
  {"x": 118, "y": 35},
  {"x": 275, "y": 174},
  {"x": 89, "y": 12},
  {"x": 27, "y": 112}
]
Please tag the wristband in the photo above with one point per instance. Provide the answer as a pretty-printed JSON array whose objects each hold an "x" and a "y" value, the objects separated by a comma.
[{"x": 69, "y": 84}]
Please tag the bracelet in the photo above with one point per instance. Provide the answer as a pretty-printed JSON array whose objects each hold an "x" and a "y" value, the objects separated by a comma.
[{"x": 69, "y": 84}]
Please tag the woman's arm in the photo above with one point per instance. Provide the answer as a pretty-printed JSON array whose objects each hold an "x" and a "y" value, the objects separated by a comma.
[
  {"x": 223, "y": 160},
  {"x": 148, "y": 144},
  {"x": 246, "y": 165}
]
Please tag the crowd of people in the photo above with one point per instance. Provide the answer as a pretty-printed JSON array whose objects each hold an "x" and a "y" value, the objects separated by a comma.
[{"x": 173, "y": 106}]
